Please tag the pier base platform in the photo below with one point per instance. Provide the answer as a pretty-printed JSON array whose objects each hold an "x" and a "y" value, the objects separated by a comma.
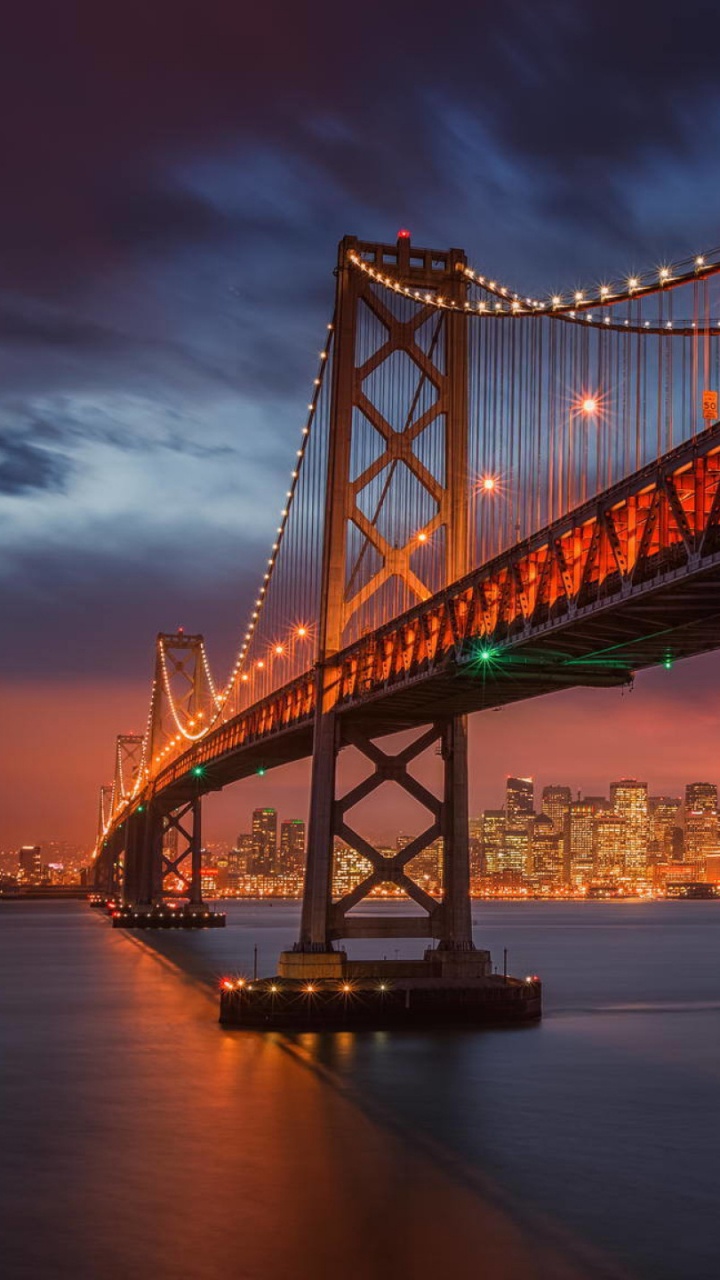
[
  {"x": 186, "y": 916},
  {"x": 383, "y": 994}
]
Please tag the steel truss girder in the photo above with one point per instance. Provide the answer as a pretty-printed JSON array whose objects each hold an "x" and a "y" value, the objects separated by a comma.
[{"x": 596, "y": 562}]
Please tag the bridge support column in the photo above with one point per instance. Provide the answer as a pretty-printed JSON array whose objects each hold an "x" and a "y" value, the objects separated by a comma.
[
  {"x": 446, "y": 919},
  {"x": 314, "y": 935}
]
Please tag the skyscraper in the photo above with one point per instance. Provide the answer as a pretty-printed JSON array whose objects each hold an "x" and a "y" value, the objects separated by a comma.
[
  {"x": 609, "y": 840},
  {"x": 701, "y": 836},
  {"x": 264, "y": 841},
  {"x": 555, "y": 805},
  {"x": 664, "y": 818},
  {"x": 701, "y": 797},
  {"x": 30, "y": 863},
  {"x": 292, "y": 844},
  {"x": 630, "y": 801},
  {"x": 580, "y": 830},
  {"x": 545, "y": 859},
  {"x": 519, "y": 801},
  {"x": 493, "y": 838}
]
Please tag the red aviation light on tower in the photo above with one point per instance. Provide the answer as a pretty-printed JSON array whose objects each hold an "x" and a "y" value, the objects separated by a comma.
[{"x": 403, "y": 234}]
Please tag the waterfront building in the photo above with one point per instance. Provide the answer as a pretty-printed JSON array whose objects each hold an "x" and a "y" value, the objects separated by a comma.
[
  {"x": 264, "y": 841},
  {"x": 556, "y": 801},
  {"x": 579, "y": 855},
  {"x": 30, "y": 863},
  {"x": 292, "y": 845},
  {"x": 426, "y": 866},
  {"x": 701, "y": 797},
  {"x": 519, "y": 801},
  {"x": 516, "y": 852},
  {"x": 545, "y": 868},
  {"x": 630, "y": 801},
  {"x": 609, "y": 841},
  {"x": 477, "y": 852},
  {"x": 493, "y": 839},
  {"x": 349, "y": 868},
  {"x": 701, "y": 836},
  {"x": 664, "y": 817}
]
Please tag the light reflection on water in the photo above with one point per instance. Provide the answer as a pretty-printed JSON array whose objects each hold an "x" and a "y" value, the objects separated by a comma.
[{"x": 140, "y": 1139}]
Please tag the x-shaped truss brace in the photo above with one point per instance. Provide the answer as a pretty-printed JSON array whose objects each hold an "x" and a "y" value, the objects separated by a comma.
[
  {"x": 177, "y": 822},
  {"x": 385, "y": 869}
]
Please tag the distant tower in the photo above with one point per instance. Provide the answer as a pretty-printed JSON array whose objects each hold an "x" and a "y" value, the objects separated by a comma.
[
  {"x": 630, "y": 801},
  {"x": 264, "y": 833},
  {"x": 292, "y": 844},
  {"x": 556, "y": 803},
  {"x": 701, "y": 797},
  {"x": 519, "y": 801}
]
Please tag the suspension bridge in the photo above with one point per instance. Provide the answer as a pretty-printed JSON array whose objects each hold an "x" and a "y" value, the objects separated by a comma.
[{"x": 494, "y": 496}]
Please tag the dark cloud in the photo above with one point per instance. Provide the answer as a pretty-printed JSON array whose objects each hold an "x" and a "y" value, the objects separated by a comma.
[{"x": 25, "y": 468}]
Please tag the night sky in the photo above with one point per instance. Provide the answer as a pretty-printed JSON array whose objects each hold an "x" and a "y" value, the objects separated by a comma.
[{"x": 175, "y": 178}]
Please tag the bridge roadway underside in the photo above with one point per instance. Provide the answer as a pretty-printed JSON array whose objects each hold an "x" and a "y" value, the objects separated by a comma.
[{"x": 673, "y": 616}]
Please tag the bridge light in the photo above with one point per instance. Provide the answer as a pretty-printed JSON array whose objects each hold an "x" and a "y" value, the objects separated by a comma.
[
  {"x": 260, "y": 663},
  {"x": 302, "y": 632},
  {"x": 422, "y": 536},
  {"x": 699, "y": 261},
  {"x": 273, "y": 988},
  {"x": 227, "y": 985},
  {"x": 310, "y": 988},
  {"x": 198, "y": 771},
  {"x": 487, "y": 654},
  {"x": 279, "y": 650},
  {"x": 633, "y": 282},
  {"x": 489, "y": 484},
  {"x": 403, "y": 234},
  {"x": 589, "y": 405},
  {"x": 260, "y": 771},
  {"x": 664, "y": 273}
]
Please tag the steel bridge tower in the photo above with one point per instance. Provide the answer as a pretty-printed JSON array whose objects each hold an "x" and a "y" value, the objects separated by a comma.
[{"x": 440, "y": 362}]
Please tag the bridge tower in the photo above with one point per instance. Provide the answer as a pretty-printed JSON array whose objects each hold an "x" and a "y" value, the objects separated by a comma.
[{"x": 374, "y": 566}]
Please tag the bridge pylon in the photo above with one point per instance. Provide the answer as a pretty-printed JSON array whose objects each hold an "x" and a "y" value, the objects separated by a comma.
[{"x": 381, "y": 556}]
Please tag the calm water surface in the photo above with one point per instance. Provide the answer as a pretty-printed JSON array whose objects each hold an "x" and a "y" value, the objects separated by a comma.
[{"x": 139, "y": 1139}]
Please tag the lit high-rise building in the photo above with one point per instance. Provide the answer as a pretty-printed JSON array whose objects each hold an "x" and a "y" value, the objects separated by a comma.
[
  {"x": 349, "y": 868},
  {"x": 701, "y": 797},
  {"x": 292, "y": 844},
  {"x": 609, "y": 839},
  {"x": 516, "y": 853},
  {"x": 264, "y": 841},
  {"x": 555, "y": 805},
  {"x": 426, "y": 866},
  {"x": 663, "y": 812},
  {"x": 701, "y": 836},
  {"x": 580, "y": 828},
  {"x": 630, "y": 801},
  {"x": 545, "y": 858},
  {"x": 519, "y": 801},
  {"x": 477, "y": 855},
  {"x": 30, "y": 863},
  {"x": 493, "y": 838}
]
